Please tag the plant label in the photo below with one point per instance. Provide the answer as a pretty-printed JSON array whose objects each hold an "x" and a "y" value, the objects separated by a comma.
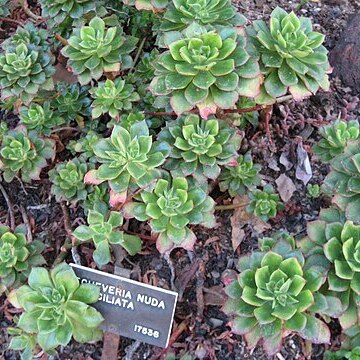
[{"x": 132, "y": 309}]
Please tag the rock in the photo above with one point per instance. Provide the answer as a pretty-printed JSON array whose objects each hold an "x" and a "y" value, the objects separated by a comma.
[{"x": 345, "y": 57}]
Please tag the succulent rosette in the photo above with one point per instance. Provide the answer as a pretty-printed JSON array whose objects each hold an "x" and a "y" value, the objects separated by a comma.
[
  {"x": 199, "y": 147},
  {"x": 85, "y": 146},
  {"x": 182, "y": 13},
  {"x": 244, "y": 175},
  {"x": 293, "y": 57},
  {"x": 335, "y": 137},
  {"x": 25, "y": 153},
  {"x": 129, "y": 159},
  {"x": 272, "y": 297},
  {"x": 67, "y": 180},
  {"x": 112, "y": 97},
  {"x": 56, "y": 307},
  {"x": 343, "y": 181},
  {"x": 17, "y": 256},
  {"x": 170, "y": 207},
  {"x": 207, "y": 70},
  {"x": 24, "y": 71},
  {"x": 95, "y": 49}
]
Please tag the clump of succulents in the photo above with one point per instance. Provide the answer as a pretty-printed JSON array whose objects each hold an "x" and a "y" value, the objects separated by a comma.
[
  {"x": 272, "y": 297},
  {"x": 67, "y": 180},
  {"x": 99, "y": 194},
  {"x": 22, "y": 341},
  {"x": 170, "y": 207},
  {"x": 40, "y": 118},
  {"x": 30, "y": 35},
  {"x": 335, "y": 246},
  {"x": 24, "y": 153},
  {"x": 111, "y": 97},
  {"x": 71, "y": 101},
  {"x": 349, "y": 354},
  {"x": 17, "y": 256},
  {"x": 102, "y": 230},
  {"x": 335, "y": 137},
  {"x": 208, "y": 71},
  {"x": 237, "y": 179},
  {"x": 24, "y": 71},
  {"x": 343, "y": 181},
  {"x": 85, "y": 146},
  {"x": 95, "y": 49},
  {"x": 127, "y": 120},
  {"x": 199, "y": 147},
  {"x": 293, "y": 57},
  {"x": 313, "y": 191},
  {"x": 56, "y": 307},
  {"x": 182, "y": 13},
  {"x": 264, "y": 203},
  {"x": 59, "y": 10},
  {"x": 129, "y": 159}
]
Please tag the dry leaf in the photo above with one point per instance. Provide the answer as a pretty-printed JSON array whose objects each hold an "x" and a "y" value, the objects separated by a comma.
[
  {"x": 286, "y": 187},
  {"x": 303, "y": 168},
  {"x": 214, "y": 295}
]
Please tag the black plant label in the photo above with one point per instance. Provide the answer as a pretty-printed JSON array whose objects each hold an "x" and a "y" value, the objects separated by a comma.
[{"x": 132, "y": 309}]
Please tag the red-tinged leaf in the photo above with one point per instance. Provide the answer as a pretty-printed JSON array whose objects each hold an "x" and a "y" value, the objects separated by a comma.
[
  {"x": 117, "y": 199},
  {"x": 272, "y": 344},
  {"x": 206, "y": 108},
  {"x": 91, "y": 178},
  {"x": 315, "y": 331}
]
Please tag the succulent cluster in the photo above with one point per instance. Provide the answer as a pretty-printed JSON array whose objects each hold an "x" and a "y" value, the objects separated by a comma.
[
  {"x": 24, "y": 153},
  {"x": 292, "y": 56},
  {"x": 102, "y": 230},
  {"x": 17, "y": 256},
  {"x": 170, "y": 207},
  {"x": 95, "y": 48}
]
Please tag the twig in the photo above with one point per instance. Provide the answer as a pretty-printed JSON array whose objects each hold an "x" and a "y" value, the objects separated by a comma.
[
  {"x": 137, "y": 54},
  {"x": 267, "y": 113},
  {"x": 61, "y": 39},
  {"x": 10, "y": 207},
  {"x": 25, "y": 6},
  {"x": 172, "y": 270},
  {"x": 13, "y": 21},
  {"x": 66, "y": 128},
  {"x": 200, "y": 278},
  {"x": 27, "y": 224},
  {"x": 130, "y": 350},
  {"x": 231, "y": 206},
  {"x": 141, "y": 236}
]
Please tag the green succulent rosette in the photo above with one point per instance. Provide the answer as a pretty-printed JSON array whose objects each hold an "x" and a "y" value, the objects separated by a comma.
[
  {"x": 343, "y": 181},
  {"x": 24, "y": 71},
  {"x": 99, "y": 194},
  {"x": 335, "y": 246},
  {"x": 71, "y": 101},
  {"x": 292, "y": 56},
  {"x": 241, "y": 177},
  {"x": 170, "y": 208},
  {"x": 272, "y": 297},
  {"x": 17, "y": 256},
  {"x": 207, "y": 70},
  {"x": 335, "y": 137},
  {"x": 85, "y": 146},
  {"x": 67, "y": 180},
  {"x": 102, "y": 230},
  {"x": 111, "y": 97},
  {"x": 264, "y": 203},
  {"x": 95, "y": 49},
  {"x": 182, "y": 13},
  {"x": 22, "y": 341},
  {"x": 24, "y": 154},
  {"x": 199, "y": 147},
  {"x": 56, "y": 307},
  {"x": 129, "y": 160},
  {"x": 40, "y": 118}
]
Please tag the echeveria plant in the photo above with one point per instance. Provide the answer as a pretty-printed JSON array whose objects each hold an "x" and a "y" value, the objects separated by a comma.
[
  {"x": 85, "y": 146},
  {"x": 237, "y": 179},
  {"x": 264, "y": 203},
  {"x": 95, "y": 49},
  {"x": 24, "y": 154},
  {"x": 111, "y": 97},
  {"x": 272, "y": 297},
  {"x": 182, "y": 13},
  {"x": 56, "y": 307},
  {"x": 343, "y": 181},
  {"x": 102, "y": 230},
  {"x": 128, "y": 158},
  {"x": 67, "y": 180},
  {"x": 17, "y": 256},
  {"x": 40, "y": 118},
  {"x": 292, "y": 56},
  {"x": 335, "y": 137},
  {"x": 208, "y": 71},
  {"x": 170, "y": 207},
  {"x": 199, "y": 147},
  {"x": 24, "y": 71}
]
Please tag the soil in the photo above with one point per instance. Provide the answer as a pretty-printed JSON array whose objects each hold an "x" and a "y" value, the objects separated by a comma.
[{"x": 197, "y": 275}]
